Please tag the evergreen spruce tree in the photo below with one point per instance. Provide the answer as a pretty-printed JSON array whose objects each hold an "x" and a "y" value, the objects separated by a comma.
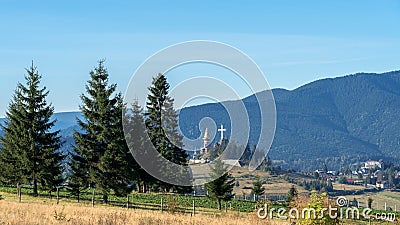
[
  {"x": 218, "y": 149},
  {"x": 171, "y": 130},
  {"x": 175, "y": 144},
  {"x": 137, "y": 140},
  {"x": 79, "y": 177},
  {"x": 162, "y": 127},
  {"x": 292, "y": 193},
  {"x": 13, "y": 158},
  {"x": 325, "y": 168},
  {"x": 117, "y": 163},
  {"x": 257, "y": 189},
  {"x": 221, "y": 186},
  {"x": 329, "y": 185},
  {"x": 102, "y": 159},
  {"x": 30, "y": 151},
  {"x": 246, "y": 157}
]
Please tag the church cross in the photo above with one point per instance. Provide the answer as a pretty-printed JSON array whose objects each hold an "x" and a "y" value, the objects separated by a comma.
[{"x": 222, "y": 130}]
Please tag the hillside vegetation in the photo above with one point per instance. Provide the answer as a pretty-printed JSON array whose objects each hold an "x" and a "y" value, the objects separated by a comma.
[{"x": 335, "y": 121}]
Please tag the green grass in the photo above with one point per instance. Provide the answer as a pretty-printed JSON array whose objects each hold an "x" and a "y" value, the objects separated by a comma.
[{"x": 395, "y": 196}]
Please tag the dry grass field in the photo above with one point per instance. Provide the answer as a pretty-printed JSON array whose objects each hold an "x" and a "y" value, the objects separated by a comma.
[
  {"x": 47, "y": 213},
  {"x": 34, "y": 211},
  {"x": 392, "y": 200},
  {"x": 273, "y": 185},
  {"x": 347, "y": 187}
]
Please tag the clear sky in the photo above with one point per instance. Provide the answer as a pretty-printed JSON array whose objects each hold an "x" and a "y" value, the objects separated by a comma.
[{"x": 293, "y": 42}]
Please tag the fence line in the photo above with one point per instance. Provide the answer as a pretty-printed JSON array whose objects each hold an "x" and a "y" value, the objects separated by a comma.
[{"x": 193, "y": 205}]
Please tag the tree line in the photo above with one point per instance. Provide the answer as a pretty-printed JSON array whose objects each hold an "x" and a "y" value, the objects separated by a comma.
[{"x": 102, "y": 155}]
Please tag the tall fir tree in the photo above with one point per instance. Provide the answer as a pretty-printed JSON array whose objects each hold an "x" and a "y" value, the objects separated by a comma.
[
  {"x": 170, "y": 125},
  {"x": 13, "y": 158},
  {"x": 117, "y": 163},
  {"x": 248, "y": 152},
  {"x": 30, "y": 150},
  {"x": 217, "y": 149},
  {"x": 101, "y": 157},
  {"x": 138, "y": 143},
  {"x": 257, "y": 188},
  {"x": 326, "y": 168},
  {"x": 162, "y": 127},
  {"x": 293, "y": 193},
  {"x": 221, "y": 185}
]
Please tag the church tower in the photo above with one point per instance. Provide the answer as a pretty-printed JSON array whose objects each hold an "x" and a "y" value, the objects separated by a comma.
[{"x": 206, "y": 138}]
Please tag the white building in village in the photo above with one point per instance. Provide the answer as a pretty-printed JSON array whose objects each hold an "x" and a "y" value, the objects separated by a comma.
[{"x": 371, "y": 164}]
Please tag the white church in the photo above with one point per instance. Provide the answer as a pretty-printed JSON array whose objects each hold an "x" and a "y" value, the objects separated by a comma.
[{"x": 198, "y": 156}]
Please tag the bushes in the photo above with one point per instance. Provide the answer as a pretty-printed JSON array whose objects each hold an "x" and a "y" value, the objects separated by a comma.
[
  {"x": 342, "y": 180},
  {"x": 319, "y": 203}
]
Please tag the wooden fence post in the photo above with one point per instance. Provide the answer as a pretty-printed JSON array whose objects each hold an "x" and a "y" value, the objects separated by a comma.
[
  {"x": 17, "y": 190},
  {"x": 93, "y": 198},
  {"x": 162, "y": 204},
  {"x": 19, "y": 193},
  {"x": 194, "y": 207},
  {"x": 127, "y": 201},
  {"x": 58, "y": 195}
]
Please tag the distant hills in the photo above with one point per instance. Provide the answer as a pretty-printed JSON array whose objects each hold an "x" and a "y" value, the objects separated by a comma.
[
  {"x": 2, "y": 123},
  {"x": 66, "y": 123},
  {"x": 336, "y": 121}
]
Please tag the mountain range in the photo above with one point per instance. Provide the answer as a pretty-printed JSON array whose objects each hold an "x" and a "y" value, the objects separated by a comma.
[{"x": 336, "y": 121}]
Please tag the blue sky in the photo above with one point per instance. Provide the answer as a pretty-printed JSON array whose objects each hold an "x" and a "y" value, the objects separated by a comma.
[{"x": 293, "y": 42}]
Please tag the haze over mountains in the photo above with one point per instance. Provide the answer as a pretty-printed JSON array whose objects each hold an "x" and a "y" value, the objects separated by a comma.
[{"x": 337, "y": 121}]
